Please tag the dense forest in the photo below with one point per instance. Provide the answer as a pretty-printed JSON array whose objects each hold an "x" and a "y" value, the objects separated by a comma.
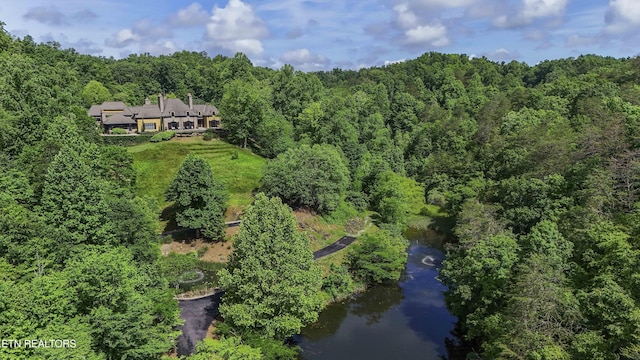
[{"x": 539, "y": 166}]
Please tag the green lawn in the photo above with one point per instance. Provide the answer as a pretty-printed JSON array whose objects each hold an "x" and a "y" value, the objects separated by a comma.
[{"x": 157, "y": 163}]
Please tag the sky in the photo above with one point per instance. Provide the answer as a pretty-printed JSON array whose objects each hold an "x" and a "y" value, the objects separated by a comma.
[{"x": 324, "y": 34}]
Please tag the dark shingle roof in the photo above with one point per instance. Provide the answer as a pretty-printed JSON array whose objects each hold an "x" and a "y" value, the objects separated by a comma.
[
  {"x": 119, "y": 119},
  {"x": 149, "y": 111},
  {"x": 176, "y": 106},
  {"x": 115, "y": 106},
  {"x": 206, "y": 110},
  {"x": 95, "y": 110}
]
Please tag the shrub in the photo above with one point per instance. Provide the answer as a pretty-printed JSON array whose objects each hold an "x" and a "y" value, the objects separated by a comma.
[
  {"x": 163, "y": 136},
  {"x": 210, "y": 134},
  {"x": 203, "y": 250},
  {"x": 314, "y": 177},
  {"x": 126, "y": 140},
  {"x": 234, "y": 156},
  {"x": 338, "y": 283},
  {"x": 118, "y": 131},
  {"x": 379, "y": 257},
  {"x": 341, "y": 214}
]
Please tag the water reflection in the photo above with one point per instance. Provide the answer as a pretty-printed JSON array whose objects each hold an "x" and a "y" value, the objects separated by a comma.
[
  {"x": 373, "y": 304},
  {"x": 408, "y": 320}
]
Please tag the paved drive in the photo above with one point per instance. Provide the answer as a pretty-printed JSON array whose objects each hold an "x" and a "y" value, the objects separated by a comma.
[
  {"x": 342, "y": 243},
  {"x": 198, "y": 314}
]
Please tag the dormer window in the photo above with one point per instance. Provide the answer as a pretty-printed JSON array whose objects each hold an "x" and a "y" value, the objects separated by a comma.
[
  {"x": 173, "y": 113},
  {"x": 199, "y": 113},
  {"x": 187, "y": 113}
]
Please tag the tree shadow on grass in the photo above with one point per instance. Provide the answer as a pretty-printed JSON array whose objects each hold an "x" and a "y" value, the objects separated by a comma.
[
  {"x": 169, "y": 215},
  {"x": 172, "y": 228}
]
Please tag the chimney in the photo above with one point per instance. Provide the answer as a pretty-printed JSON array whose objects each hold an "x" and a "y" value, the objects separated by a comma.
[
  {"x": 161, "y": 102},
  {"x": 190, "y": 99},
  {"x": 147, "y": 101}
]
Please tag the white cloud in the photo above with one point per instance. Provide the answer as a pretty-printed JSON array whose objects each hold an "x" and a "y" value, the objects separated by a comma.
[
  {"x": 415, "y": 31},
  {"x": 192, "y": 15},
  {"x": 530, "y": 11},
  {"x": 542, "y": 8},
  {"x": 579, "y": 41},
  {"x": 622, "y": 16},
  {"x": 501, "y": 54},
  {"x": 304, "y": 59},
  {"x": 390, "y": 62},
  {"x": 51, "y": 15},
  {"x": 144, "y": 31},
  {"x": 442, "y": 3},
  {"x": 435, "y": 35},
  {"x": 405, "y": 17},
  {"x": 122, "y": 38},
  {"x": 47, "y": 15},
  {"x": 159, "y": 48},
  {"x": 147, "y": 29},
  {"x": 236, "y": 27}
]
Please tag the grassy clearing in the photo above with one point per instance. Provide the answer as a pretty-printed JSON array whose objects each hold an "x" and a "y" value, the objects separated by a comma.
[{"x": 157, "y": 163}]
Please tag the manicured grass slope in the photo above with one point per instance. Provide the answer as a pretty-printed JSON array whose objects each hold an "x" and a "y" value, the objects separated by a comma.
[{"x": 157, "y": 163}]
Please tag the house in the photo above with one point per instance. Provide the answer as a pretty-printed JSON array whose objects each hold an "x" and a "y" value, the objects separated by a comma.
[{"x": 167, "y": 114}]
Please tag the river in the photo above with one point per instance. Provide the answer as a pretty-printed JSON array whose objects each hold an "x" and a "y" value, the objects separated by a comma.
[{"x": 407, "y": 320}]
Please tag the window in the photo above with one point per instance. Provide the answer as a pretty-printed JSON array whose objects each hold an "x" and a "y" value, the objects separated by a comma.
[
  {"x": 173, "y": 113},
  {"x": 150, "y": 126}
]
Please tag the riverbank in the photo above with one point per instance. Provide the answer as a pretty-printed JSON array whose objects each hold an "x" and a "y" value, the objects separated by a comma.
[{"x": 408, "y": 319}]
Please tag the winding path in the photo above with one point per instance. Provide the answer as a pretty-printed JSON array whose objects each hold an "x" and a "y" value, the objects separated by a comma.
[{"x": 342, "y": 243}]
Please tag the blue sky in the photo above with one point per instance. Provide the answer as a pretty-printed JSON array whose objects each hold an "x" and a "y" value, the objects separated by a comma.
[{"x": 323, "y": 34}]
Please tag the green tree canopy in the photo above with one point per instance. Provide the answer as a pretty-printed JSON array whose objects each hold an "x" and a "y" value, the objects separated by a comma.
[
  {"x": 307, "y": 176},
  {"x": 271, "y": 283},
  {"x": 95, "y": 93},
  {"x": 200, "y": 198},
  {"x": 378, "y": 258},
  {"x": 74, "y": 202}
]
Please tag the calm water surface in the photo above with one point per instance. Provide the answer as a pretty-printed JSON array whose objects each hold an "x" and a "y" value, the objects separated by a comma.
[{"x": 407, "y": 320}]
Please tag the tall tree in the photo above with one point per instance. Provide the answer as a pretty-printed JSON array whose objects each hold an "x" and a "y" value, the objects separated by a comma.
[
  {"x": 242, "y": 109},
  {"x": 307, "y": 176},
  {"x": 73, "y": 202},
  {"x": 271, "y": 283},
  {"x": 200, "y": 198},
  {"x": 95, "y": 93}
]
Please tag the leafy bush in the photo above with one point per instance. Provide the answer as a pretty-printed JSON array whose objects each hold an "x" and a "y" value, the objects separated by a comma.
[
  {"x": 210, "y": 134},
  {"x": 314, "y": 177},
  {"x": 378, "y": 258},
  {"x": 118, "y": 131},
  {"x": 234, "y": 156},
  {"x": 163, "y": 136},
  {"x": 203, "y": 250},
  {"x": 338, "y": 283},
  {"x": 395, "y": 196},
  {"x": 341, "y": 214},
  {"x": 229, "y": 347},
  {"x": 126, "y": 140}
]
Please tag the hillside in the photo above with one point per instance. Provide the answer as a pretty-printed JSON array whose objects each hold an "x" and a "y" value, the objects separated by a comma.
[{"x": 157, "y": 163}]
